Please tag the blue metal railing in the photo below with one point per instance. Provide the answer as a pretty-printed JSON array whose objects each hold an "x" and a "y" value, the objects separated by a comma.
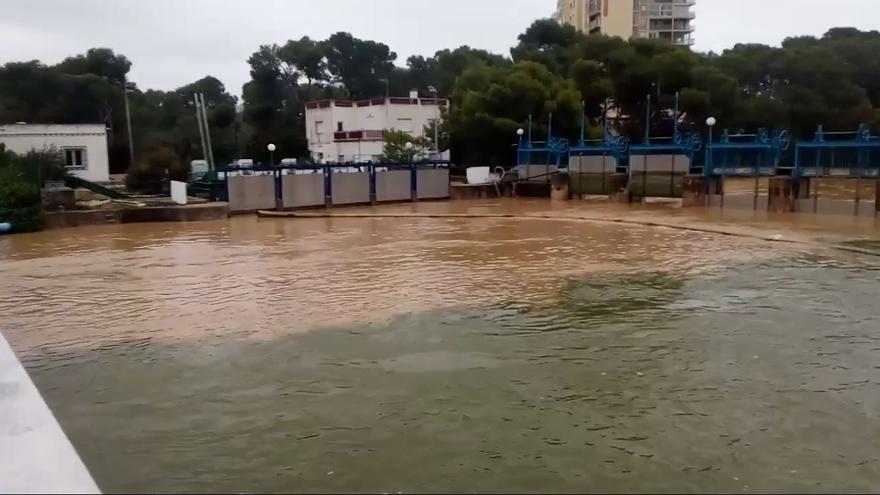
[
  {"x": 747, "y": 155},
  {"x": 615, "y": 147},
  {"x": 839, "y": 154}
]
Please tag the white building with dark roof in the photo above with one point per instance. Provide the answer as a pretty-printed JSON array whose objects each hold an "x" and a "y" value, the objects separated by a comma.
[{"x": 83, "y": 146}]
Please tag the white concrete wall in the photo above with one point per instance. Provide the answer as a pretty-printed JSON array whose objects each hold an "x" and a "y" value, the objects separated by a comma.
[
  {"x": 35, "y": 454},
  {"x": 22, "y": 138}
]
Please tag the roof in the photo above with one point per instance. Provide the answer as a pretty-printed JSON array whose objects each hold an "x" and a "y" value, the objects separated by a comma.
[
  {"x": 51, "y": 129},
  {"x": 376, "y": 102}
]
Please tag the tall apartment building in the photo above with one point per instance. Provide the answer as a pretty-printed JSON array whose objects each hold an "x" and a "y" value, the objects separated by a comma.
[{"x": 668, "y": 20}]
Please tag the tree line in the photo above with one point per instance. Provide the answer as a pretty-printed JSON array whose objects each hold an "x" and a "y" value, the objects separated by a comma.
[{"x": 833, "y": 80}]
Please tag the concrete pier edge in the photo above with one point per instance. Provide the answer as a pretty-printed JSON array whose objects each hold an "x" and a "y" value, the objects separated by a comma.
[{"x": 36, "y": 456}]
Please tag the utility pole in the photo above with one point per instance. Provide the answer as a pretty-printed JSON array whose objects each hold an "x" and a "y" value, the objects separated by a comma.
[
  {"x": 198, "y": 103},
  {"x": 128, "y": 122},
  {"x": 211, "y": 163}
]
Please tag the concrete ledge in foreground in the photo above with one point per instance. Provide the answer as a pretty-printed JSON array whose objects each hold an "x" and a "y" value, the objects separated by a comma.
[
  {"x": 168, "y": 213},
  {"x": 35, "y": 454}
]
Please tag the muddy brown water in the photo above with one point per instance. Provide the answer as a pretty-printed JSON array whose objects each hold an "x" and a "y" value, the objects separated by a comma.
[{"x": 475, "y": 355}]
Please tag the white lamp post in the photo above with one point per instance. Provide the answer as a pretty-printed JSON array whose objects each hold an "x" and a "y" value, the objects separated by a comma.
[
  {"x": 710, "y": 122},
  {"x": 519, "y": 133},
  {"x": 271, "y": 149}
]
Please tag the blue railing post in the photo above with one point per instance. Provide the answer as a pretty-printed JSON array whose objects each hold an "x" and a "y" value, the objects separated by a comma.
[
  {"x": 279, "y": 193},
  {"x": 707, "y": 167},
  {"x": 519, "y": 150},
  {"x": 414, "y": 181},
  {"x": 328, "y": 186},
  {"x": 226, "y": 180},
  {"x": 371, "y": 168}
]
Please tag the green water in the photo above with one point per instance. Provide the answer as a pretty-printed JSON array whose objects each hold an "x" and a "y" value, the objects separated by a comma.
[{"x": 754, "y": 377}]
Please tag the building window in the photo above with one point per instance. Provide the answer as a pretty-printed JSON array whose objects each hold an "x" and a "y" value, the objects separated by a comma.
[
  {"x": 405, "y": 125},
  {"x": 339, "y": 127},
  {"x": 75, "y": 158}
]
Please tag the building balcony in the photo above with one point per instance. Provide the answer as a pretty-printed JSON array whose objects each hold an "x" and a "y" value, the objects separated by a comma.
[
  {"x": 674, "y": 10},
  {"x": 680, "y": 14},
  {"x": 353, "y": 136},
  {"x": 674, "y": 37},
  {"x": 678, "y": 26}
]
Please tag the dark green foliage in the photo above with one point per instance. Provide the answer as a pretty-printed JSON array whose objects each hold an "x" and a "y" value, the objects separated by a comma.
[
  {"x": 395, "y": 146},
  {"x": 39, "y": 166},
  {"x": 89, "y": 89},
  {"x": 833, "y": 80},
  {"x": 19, "y": 189},
  {"x": 152, "y": 168}
]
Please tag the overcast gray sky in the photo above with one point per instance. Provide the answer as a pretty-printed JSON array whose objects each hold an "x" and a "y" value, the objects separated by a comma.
[{"x": 173, "y": 42}]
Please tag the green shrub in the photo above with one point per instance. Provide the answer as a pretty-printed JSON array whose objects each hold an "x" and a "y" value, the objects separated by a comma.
[
  {"x": 150, "y": 171},
  {"x": 395, "y": 146},
  {"x": 16, "y": 191},
  {"x": 43, "y": 165},
  {"x": 19, "y": 200}
]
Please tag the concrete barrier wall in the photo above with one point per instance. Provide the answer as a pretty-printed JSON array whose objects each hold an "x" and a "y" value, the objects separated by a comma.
[
  {"x": 251, "y": 193},
  {"x": 302, "y": 190},
  {"x": 637, "y": 163},
  {"x": 350, "y": 188},
  {"x": 867, "y": 209},
  {"x": 593, "y": 184},
  {"x": 433, "y": 184},
  {"x": 540, "y": 173},
  {"x": 394, "y": 185},
  {"x": 592, "y": 165},
  {"x": 658, "y": 175},
  {"x": 662, "y": 185},
  {"x": 667, "y": 163}
]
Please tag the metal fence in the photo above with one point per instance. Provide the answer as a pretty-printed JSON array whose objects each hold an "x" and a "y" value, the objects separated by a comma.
[{"x": 747, "y": 155}]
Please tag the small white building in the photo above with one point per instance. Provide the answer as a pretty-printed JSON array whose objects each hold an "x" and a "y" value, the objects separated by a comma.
[
  {"x": 340, "y": 131},
  {"x": 83, "y": 146}
]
